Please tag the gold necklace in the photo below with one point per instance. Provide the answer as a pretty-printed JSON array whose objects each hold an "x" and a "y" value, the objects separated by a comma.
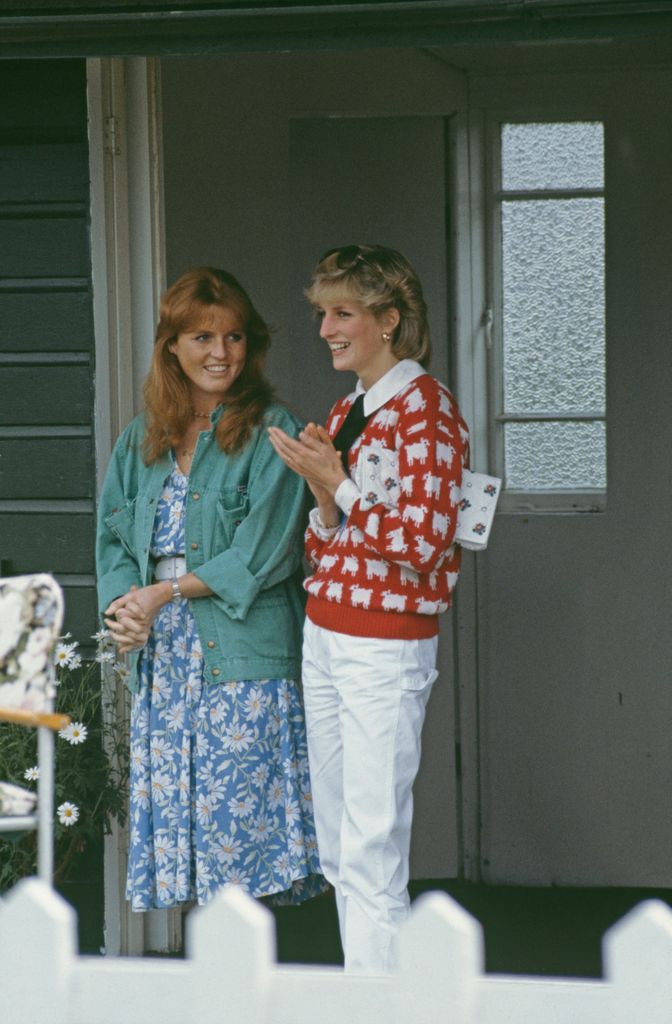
[{"x": 200, "y": 415}]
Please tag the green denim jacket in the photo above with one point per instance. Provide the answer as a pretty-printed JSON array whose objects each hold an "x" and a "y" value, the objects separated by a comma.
[{"x": 243, "y": 537}]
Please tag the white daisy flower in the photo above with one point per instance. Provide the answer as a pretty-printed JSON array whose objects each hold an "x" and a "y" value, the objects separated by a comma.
[
  {"x": 238, "y": 738},
  {"x": 74, "y": 733},
  {"x": 32, "y": 774},
  {"x": 240, "y": 808},
  {"x": 105, "y": 657},
  {"x": 64, "y": 654},
  {"x": 67, "y": 813},
  {"x": 236, "y": 876},
  {"x": 101, "y": 635},
  {"x": 203, "y": 810},
  {"x": 227, "y": 849}
]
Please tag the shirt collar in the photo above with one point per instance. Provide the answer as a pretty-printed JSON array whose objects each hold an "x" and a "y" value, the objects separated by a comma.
[{"x": 390, "y": 384}]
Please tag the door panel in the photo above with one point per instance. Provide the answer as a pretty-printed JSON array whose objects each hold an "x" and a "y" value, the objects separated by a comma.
[{"x": 575, "y": 651}]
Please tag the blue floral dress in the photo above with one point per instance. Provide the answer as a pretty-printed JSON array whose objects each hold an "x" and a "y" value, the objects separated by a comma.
[{"x": 220, "y": 790}]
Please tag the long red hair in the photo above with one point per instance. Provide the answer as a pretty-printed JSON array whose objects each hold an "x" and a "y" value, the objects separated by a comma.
[{"x": 168, "y": 404}]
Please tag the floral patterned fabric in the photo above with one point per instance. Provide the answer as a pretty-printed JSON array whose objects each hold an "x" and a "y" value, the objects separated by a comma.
[{"x": 220, "y": 790}]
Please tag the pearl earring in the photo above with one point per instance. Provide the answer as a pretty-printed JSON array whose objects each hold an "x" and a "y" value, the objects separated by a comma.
[{"x": 386, "y": 337}]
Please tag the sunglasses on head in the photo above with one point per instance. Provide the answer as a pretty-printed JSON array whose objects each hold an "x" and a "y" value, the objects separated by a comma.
[{"x": 348, "y": 256}]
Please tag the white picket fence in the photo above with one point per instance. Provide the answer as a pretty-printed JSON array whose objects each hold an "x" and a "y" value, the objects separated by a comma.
[{"x": 230, "y": 974}]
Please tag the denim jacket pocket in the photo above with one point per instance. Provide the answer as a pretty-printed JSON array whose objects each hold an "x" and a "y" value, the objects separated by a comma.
[
  {"x": 232, "y": 507},
  {"x": 121, "y": 522}
]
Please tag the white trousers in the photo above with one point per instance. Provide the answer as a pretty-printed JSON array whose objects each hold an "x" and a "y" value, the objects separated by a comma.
[{"x": 365, "y": 705}]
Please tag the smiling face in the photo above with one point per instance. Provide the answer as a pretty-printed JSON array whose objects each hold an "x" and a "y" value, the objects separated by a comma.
[
  {"x": 211, "y": 354},
  {"x": 355, "y": 338}
]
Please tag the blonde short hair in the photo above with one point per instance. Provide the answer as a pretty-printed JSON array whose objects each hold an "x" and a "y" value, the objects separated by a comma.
[{"x": 379, "y": 279}]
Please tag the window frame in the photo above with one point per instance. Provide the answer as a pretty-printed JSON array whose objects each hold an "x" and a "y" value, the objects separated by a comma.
[{"x": 492, "y": 320}]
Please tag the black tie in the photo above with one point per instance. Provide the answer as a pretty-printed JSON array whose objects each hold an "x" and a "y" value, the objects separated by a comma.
[{"x": 350, "y": 429}]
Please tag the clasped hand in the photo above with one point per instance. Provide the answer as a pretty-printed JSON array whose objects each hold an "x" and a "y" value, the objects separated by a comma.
[
  {"x": 313, "y": 456},
  {"x": 129, "y": 618}
]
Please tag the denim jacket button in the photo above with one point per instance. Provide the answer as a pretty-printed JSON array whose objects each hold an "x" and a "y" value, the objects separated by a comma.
[
  {"x": 211, "y": 644},
  {"x": 194, "y": 546},
  {"x": 196, "y": 496},
  {"x": 215, "y": 671}
]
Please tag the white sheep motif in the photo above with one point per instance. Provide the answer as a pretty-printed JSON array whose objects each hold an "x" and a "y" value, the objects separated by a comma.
[
  {"x": 452, "y": 578},
  {"x": 350, "y": 565},
  {"x": 444, "y": 453},
  {"x": 424, "y": 548},
  {"x": 397, "y": 542},
  {"x": 445, "y": 405},
  {"x": 386, "y": 418},
  {"x": 375, "y": 567},
  {"x": 393, "y": 602},
  {"x": 373, "y": 524},
  {"x": 415, "y": 513},
  {"x": 334, "y": 591},
  {"x": 417, "y": 427},
  {"x": 416, "y": 451},
  {"x": 411, "y": 576},
  {"x": 415, "y": 402},
  {"x": 439, "y": 523},
  {"x": 406, "y": 483},
  {"x": 427, "y": 607},
  {"x": 432, "y": 485},
  {"x": 360, "y": 596},
  {"x": 328, "y": 562}
]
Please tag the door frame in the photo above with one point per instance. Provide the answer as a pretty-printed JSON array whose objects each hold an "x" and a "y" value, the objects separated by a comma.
[{"x": 128, "y": 272}]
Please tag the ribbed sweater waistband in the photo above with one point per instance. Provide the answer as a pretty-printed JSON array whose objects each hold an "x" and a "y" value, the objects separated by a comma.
[{"x": 363, "y": 622}]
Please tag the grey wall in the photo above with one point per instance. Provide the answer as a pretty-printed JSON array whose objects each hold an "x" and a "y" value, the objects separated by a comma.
[{"x": 237, "y": 132}]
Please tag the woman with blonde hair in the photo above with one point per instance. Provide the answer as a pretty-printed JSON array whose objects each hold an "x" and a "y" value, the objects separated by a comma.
[
  {"x": 385, "y": 474},
  {"x": 198, "y": 548}
]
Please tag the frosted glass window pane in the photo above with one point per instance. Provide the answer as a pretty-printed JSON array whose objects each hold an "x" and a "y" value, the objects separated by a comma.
[
  {"x": 553, "y": 291},
  {"x": 555, "y": 455},
  {"x": 552, "y": 156}
]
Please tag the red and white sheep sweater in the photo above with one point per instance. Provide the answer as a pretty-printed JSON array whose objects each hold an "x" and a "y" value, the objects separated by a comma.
[{"x": 391, "y": 566}]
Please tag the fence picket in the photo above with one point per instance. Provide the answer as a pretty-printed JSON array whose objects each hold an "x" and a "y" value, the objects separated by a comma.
[
  {"x": 38, "y": 946},
  {"x": 638, "y": 963}
]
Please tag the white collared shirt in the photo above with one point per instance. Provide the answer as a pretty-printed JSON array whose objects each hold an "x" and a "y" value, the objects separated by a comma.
[{"x": 390, "y": 384}]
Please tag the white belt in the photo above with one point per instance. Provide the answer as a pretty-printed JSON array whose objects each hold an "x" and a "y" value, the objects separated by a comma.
[{"x": 169, "y": 567}]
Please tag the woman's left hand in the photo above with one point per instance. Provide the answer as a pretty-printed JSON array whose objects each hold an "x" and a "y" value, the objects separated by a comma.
[
  {"x": 129, "y": 618},
  {"x": 312, "y": 456}
]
